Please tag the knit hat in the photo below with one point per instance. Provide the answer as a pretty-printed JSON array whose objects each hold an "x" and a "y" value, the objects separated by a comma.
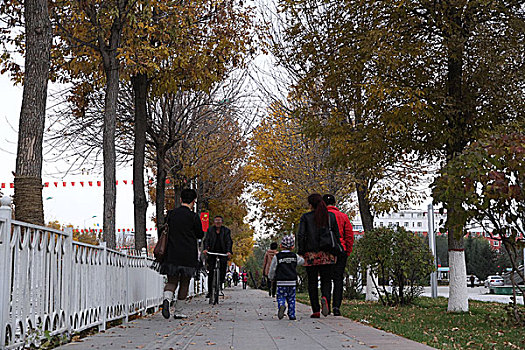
[{"x": 288, "y": 241}]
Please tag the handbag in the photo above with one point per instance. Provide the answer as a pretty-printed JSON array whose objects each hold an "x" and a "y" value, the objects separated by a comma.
[
  {"x": 162, "y": 245},
  {"x": 329, "y": 242}
]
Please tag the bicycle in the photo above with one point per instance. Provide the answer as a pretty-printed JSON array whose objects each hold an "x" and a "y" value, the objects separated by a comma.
[{"x": 216, "y": 284}]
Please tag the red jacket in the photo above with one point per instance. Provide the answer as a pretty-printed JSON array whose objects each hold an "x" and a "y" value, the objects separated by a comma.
[{"x": 345, "y": 229}]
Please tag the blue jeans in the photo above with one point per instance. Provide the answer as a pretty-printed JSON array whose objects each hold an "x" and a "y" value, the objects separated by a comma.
[{"x": 287, "y": 294}]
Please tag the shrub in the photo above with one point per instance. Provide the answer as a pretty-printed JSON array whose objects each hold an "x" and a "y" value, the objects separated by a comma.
[
  {"x": 399, "y": 259},
  {"x": 353, "y": 278}
]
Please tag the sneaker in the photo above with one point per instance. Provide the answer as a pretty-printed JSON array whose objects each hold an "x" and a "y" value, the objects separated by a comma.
[
  {"x": 208, "y": 295},
  {"x": 179, "y": 305},
  {"x": 281, "y": 311},
  {"x": 325, "y": 309},
  {"x": 166, "y": 308},
  {"x": 292, "y": 318},
  {"x": 337, "y": 312},
  {"x": 315, "y": 315}
]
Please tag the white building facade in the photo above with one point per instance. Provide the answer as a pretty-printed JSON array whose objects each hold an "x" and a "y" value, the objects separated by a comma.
[{"x": 416, "y": 220}]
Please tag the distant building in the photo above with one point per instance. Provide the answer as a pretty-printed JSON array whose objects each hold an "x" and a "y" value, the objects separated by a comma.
[{"x": 416, "y": 221}]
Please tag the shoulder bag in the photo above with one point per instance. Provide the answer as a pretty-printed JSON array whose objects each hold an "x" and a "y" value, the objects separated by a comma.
[
  {"x": 162, "y": 245},
  {"x": 328, "y": 241}
]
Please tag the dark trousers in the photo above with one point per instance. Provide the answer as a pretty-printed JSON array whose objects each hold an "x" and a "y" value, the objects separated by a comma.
[
  {"x": 313, "y": 272},
  {"x": 272, "y": 287},
  {"x": 181, "y": 281},
  {"x": 337, "y": 277},
  {"x": 211, "y": 267}
]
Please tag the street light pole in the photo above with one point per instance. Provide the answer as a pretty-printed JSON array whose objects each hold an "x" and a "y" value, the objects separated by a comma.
[{"x": 432, "y": 245}]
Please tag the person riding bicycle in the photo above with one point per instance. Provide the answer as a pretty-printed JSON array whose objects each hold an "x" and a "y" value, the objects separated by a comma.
[{"x": 218, "y": 240}]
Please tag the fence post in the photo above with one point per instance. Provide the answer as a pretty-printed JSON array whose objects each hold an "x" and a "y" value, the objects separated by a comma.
[
  {"x": 144, "y": 255},
  {"x": 104, "y": 306},
  {"x": 67, "y": 278},
  {"x": 5, "y": 266},
  {"x": 126, "y": 291}
]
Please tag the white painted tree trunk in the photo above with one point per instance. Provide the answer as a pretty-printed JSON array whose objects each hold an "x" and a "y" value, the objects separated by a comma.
[
  {"x": 371, "y": 292},
  {"x": 458, "y": 292}
]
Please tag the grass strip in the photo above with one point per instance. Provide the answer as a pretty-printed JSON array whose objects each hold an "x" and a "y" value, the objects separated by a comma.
[{"x": 427, "y": 321}]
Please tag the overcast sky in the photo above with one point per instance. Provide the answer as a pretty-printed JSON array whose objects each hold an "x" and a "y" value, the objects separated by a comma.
[{"x": 69, "y": 205}]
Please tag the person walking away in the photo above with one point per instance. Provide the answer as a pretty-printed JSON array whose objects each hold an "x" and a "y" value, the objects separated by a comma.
[
  {"x": 268, "y": 257},
  {"x": 244, "y": 279},
  {"x": 218, "y": 240},
  {"x": 318, "y": 263},
  {"x": 283, "y": 269},
  {"x": 347, "y": 241},
  {"x": 235, "y": 278},
  {"x": 180, "y": 262},
  {"x": 229, "y": 278}
]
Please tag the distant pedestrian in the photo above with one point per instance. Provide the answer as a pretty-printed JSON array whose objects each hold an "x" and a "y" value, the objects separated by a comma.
[
  {"x": 244, "y": 276},
  {"x": 318, "y": 263},
  {"x": 268, "y": 256},
  {"x": 235, "y": 278},
  {"x": 347, "y": 241},
  {"x": 472, "y": 279},
  {"x": 180, "y": 262},
  {"x": 283, "y": 269}
]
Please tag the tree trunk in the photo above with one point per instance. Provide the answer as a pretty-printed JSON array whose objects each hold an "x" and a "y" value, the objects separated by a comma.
[
  {"x": 364, "y": 205},
  {"x": 140, "y": 89},
  {"x": 160, "y": 195},
  {"x": 456, "y": 115},
  {"x": 458, "y": 292},
  {"x": 368, "y": 224},
  {"x": 203, "y": 202},
  {"x": 109, "y": 152},
  {"x": 28, "y": 178},
  {"x": 111, "y": 67},
  {"x": 177, "y": 189}
]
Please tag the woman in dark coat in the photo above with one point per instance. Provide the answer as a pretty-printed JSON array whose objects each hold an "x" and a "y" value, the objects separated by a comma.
[
  {"x": 317, "y": 262},
  {"x": 180, "y": 261}
]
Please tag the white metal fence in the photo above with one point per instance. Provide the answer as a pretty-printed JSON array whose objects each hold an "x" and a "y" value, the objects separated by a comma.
[{"x": 51, "y": 285}]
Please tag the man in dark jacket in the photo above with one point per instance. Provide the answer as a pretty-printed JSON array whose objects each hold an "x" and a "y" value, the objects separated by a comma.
[
  {"x": 218, "y": 240},
  {"x": 180, "y": 261}
]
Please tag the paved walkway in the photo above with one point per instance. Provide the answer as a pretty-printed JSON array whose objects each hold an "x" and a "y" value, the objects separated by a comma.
[{"x": 244, "y": 319}]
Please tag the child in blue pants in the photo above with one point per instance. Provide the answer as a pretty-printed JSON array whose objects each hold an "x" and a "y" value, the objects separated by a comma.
[{"x": 283, "y": 270}]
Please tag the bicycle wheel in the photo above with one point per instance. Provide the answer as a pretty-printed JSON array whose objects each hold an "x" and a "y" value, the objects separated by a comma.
[{"x": 216, "y": 286}]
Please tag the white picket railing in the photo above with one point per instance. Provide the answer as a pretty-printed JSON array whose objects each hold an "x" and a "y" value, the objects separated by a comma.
[{"x": 50, "y": 284}]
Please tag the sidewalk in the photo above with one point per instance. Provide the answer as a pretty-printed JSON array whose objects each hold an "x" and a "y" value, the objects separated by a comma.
[{"x": 244, "y": 319}]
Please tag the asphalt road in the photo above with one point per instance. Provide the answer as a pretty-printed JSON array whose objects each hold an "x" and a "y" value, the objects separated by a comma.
[{"x": 476, "y": 293}]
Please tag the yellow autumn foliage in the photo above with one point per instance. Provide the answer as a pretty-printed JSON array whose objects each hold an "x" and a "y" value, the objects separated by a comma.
[{"x": 286, "y": 166}]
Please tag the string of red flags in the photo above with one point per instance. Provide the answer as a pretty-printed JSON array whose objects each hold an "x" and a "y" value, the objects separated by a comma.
[
  {"x": 79, "y": 184},
  {"x": 205, "y": 220},
  {"x": 99, "y": 230}
]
